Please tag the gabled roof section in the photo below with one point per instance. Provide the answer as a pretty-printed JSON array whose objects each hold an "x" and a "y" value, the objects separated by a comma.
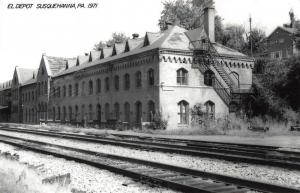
[
  {"x": 118, "y": 48},
  {"x": 70, "y": 63},
  {"x": 286, "y": 29},
  {"x": 32, "y": 80},
  {"x": 94, "y": 55},
  {"x": 54, "y": 64},
  {"x": 106, "y": 52},
  {"x": 195, "y": 35},
  {"x": 5, "y": 85},
  {"x": 133, "y": 43},
  {"x": 225, "y": 51},
  {"x": 151, "y": 37},
  {"x": 25, "y": 74},
  {"x": 82, "y": 59}
]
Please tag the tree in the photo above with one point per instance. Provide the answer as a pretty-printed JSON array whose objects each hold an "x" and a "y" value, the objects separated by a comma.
[
  {"x": 289, "y": 89},
  {"x": 258, "y": 36},
  {"x": 186, "y": 14},
  {"x": 233, "y": 37},
  {"x": 116, "y": 38}
]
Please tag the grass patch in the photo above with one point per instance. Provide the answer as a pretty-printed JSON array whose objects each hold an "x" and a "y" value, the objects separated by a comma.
[{"x": 17, "y": 178}]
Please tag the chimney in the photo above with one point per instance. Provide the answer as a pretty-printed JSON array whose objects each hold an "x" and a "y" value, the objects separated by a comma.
[
  {"x": 209, "y": 23},
  {"x": 135, "y": 35},
  {"x": 169, "y": 24}
]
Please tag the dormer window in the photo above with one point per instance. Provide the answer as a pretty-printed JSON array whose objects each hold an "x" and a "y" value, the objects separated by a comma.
[{"x": 43, "y": 71}]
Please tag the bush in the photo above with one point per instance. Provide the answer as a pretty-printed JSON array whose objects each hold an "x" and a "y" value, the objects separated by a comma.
[
  {"x": 276, "y": 93},
  {"x": 159, "y": 122}
]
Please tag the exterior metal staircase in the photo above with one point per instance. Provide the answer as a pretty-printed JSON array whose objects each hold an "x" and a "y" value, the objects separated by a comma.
[{"x": 207, "y": 58}]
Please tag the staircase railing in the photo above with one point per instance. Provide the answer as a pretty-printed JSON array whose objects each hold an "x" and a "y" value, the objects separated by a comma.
[
  {"x": 217, "y": 65},
  {"x": 205, "y": 53},
  {"x": 224, "y": 93}
]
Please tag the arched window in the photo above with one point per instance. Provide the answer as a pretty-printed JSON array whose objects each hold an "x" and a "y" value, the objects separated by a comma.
[
  {"x": 70, "y": 90},
  {"x": 41, "y": 88},
  {"x": 82, "y": 88},
  {"x": 151, "y": 111},
  {"x": 29, "y": 115},
  {"x": 208, "y": 77},
  {"x": 150, "y": 77},
  {"x": 64, "y": 114},
  {"x": 54, "y": 92},
  {"x": 58, "y": 92},
  {"x": 183, "y": 112},
  {"x": 64, "y": 91},
  {"x": 32, "y": 95},
  {"x": 117, "y": 111},
  {"x": 98, "y": 113},
  {"x": 126, "y": 81},
  {"x": 107, "y": 111},
  {"x": 182, "y": 76},
  {"x": 90, "y": 112},
  {"x": 90, "y": 87},
  {"x": 32, "y": 114},
  {"x": 127, "y": 112},
  {"x": 58, "y": 113},
  {"x": 76, "y": 89},
  {"x": 138, "y": 79},
  {"x": 53, "y": 115},
  {"x": 210, "y": 109},
  {"x": 98, "y": 85},
  {"x": 76, "y": 113},
  {"x": 70, "y": 114},
  {"x": 25, "y": 115},
  {"x": 106, "y": 84},
  {"x": 138, "y": 112},
  {"x": 45, "y": 87},
  {"x": 116, "y": 80},
  {"x": 82, "y": 112},
  {"x": 45, "y": 111}
]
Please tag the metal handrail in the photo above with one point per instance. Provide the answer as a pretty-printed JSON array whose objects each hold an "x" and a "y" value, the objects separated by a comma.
[
  {"x": 209, "y": 48},
  {"x": 223, "y": 92}
]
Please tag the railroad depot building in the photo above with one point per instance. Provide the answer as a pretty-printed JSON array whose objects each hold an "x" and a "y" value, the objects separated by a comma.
[
  {"x": 166, "y": 72},
  {"x": 5, "y": 101}
]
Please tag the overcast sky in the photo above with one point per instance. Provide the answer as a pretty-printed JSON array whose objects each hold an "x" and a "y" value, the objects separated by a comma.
[{"x": 26, "y": 34}]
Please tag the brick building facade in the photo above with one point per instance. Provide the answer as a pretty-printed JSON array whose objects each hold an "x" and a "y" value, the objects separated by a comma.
[{"x": 166, "y": 72}]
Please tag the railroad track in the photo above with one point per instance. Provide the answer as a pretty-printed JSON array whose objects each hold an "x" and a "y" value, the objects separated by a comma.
[
  {"x": 253, "y": 154},
  {"x": 173, "y": 177}
]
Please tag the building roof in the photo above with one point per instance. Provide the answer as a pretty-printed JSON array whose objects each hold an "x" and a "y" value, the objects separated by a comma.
[
  {"x": 134, "y": 43},
  {"x": 5, "y": 85},
  {"x": 175, "y": 37},
  {"x": 82, "y": 60},
  {"x": 286, "y": 29},
  {"x": 118, "y": 48},
  {"x": 30, "y": 81},
  {"x": 71, "y": 62},
  {"x": 25, "y": 74},
  {"x": 54, "y": 64},
  {"x": 94, "y": 55}
]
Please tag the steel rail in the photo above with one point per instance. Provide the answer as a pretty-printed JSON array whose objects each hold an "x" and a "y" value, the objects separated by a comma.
[
  {"x": 184, "y": 179},
  {"x": 246, "y": 156}
]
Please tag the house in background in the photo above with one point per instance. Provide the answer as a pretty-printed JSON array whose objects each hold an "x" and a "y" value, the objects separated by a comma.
[{"x": 281, "y": 43}]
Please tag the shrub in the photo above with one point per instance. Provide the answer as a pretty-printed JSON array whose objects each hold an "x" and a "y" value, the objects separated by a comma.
[{"x": 159, "y": 122}]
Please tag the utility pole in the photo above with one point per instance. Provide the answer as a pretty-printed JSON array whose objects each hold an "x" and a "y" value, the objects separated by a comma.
[{"x": 250, "y": 36}]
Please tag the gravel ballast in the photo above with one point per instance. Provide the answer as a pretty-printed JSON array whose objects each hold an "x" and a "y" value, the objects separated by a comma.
[
  {"x": 266, "y": 174},
  {"x": 83, "y": 177}
]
